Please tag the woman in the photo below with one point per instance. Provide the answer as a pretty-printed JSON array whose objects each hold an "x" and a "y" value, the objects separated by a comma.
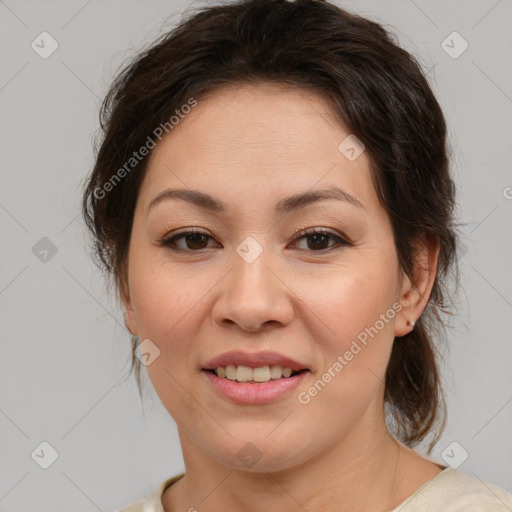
[{"x": 273, "y": 199}]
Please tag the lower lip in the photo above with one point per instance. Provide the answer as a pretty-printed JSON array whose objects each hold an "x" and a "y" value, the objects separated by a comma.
[{"x": 260, "y": 393}]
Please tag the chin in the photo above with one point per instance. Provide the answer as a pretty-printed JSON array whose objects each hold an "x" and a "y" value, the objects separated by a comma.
[{"x": 259, "y": 455}]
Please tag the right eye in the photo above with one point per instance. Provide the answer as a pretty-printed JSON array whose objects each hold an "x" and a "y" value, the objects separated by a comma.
[{"x": 194, "y": 241}]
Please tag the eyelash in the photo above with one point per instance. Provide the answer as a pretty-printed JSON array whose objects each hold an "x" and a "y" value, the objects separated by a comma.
[{"x": 170, "y": 242}]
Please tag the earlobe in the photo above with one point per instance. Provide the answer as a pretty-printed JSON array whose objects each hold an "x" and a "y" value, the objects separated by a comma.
[
  {"x": 129, "y": 322},
  {"x": 129, "y": 315},
  {"x": 415, "y": 292}
]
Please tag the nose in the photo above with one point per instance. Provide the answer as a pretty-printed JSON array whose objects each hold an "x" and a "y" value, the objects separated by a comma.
[{"x": 254, "y": 296}]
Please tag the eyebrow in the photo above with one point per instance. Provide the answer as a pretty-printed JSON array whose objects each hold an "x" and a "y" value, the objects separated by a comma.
[{"x": 291, "y": 203}]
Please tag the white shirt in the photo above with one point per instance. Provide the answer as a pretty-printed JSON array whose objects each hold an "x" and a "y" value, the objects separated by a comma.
[{"x": 450, "y": 490}]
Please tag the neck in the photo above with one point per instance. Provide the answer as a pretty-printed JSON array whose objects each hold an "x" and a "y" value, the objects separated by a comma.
[{"x": 362, "y": 472}]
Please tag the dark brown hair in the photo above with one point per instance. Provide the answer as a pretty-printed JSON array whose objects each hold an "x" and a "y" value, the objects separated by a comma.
[{"x": 377, "y": 91}]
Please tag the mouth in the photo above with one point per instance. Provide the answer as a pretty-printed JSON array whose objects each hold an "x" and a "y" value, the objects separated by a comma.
[
  {"x": 252, "y": 378},
  {"x": 255, "y": 375},
  {"x": 257, "y": 386}
]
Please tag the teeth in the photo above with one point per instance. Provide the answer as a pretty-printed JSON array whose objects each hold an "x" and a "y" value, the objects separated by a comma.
[
  {"x": 276, "y": 371},
  {"x": 261, "y": 374},
  {"x": 243, "y": 373},
  {"x": 230, "y": 372},
  {"x": 287, "y": 372}
]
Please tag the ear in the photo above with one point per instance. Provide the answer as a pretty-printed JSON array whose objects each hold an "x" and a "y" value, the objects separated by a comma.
[
  {"x": 126, "y": 305},
  {"x": 415, "y": 292}
]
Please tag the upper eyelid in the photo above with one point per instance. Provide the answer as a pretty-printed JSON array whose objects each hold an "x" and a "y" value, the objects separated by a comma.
[{"x": 300, "y": 233}]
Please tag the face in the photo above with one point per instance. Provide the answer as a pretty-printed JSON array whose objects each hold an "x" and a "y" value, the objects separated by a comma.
[{"x": 250, "y": 280}]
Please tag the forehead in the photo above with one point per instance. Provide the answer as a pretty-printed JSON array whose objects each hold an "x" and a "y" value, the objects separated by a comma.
[
  {"x": 255, "y": 117},
  {"x": 259, "y": 141}
]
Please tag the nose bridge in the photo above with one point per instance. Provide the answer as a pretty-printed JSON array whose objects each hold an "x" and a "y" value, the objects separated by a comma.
[
  {"x": 252, "y": 276},
  {"x": 253, "y": 295}
]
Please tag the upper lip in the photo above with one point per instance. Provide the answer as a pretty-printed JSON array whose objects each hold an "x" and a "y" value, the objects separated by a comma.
[{"x": 254, "y": 360}]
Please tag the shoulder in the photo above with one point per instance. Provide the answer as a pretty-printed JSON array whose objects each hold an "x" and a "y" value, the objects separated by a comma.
[
  {"x": 153, "y": 503},
  {"x": 455, "y": 491}
]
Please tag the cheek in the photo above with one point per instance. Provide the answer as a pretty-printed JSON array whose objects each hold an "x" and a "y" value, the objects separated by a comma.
[
  {"x": 347, "y": 300},
  {"x": 351, "y": 313},
  {"x": 164, "y": 305},
  {"x": 169, "y": 308},
  {"x": 169, "y": 302},
  {"x": 356, "y": 320},
  {"x": 336, "y": 303}
]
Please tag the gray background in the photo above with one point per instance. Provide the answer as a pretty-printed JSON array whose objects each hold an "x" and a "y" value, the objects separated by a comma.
[{"x": 65, "y": 350}]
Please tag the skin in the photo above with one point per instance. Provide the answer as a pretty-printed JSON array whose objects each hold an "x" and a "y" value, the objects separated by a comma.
[{"x": 251, "y": 146}]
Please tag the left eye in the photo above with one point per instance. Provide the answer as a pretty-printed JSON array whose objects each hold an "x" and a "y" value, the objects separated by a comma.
[
  {"x": 196, "y": 240},
  {"x": 319, "y": 237}
]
